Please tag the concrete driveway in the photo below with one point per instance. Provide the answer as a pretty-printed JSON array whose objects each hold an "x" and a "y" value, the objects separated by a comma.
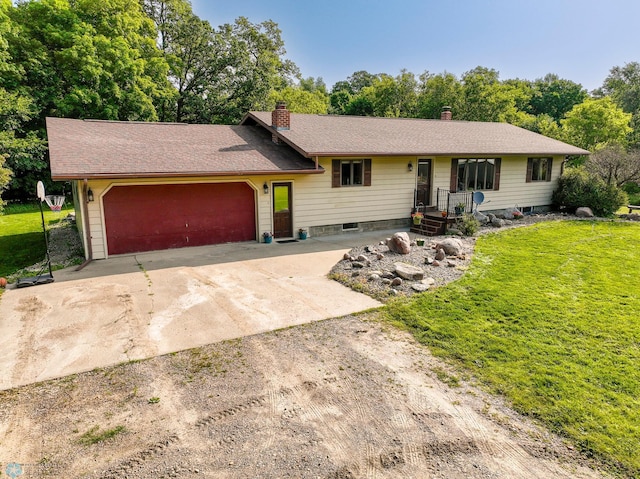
[{"x": 139, "y": 306}]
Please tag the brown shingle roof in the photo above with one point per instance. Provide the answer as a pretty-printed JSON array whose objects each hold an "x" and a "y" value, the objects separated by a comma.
[
  {"x": 113, "y": 149},
  {"x": 327, "y": 135}
]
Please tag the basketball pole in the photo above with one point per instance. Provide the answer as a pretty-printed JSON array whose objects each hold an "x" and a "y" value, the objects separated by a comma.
[{"x": 46, "y": 241}]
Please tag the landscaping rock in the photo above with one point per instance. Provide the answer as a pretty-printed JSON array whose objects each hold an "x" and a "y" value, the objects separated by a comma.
[
  {"x": 362, "y": 258},
  {"x": 428, "y": 281},
  {"x": 357, "y": 264},
  {"x": 451, "y": 246},
  {"x": 400, "y": 243},
  {"x": 482, "y": 218},
  {"x": 373, "y": 277},
  {"x": 497, "y": 222},
  {"x": 584, "y": 212},
  {"x": 440, "y": 254},
  {"x": 408, "y": 271},
  {"x": 420, "y": 287},
  {"x": 396, "y": 282},
  {"x": 435, "y": 263}
]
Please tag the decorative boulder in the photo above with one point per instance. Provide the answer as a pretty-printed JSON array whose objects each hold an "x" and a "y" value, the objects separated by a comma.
[
  {"x": 451, "y": 246},
  {"x": 482, "y": 218},
  {"x": 420, "y": 288},
  {"x": 584, "y": 212},
  {"x": 408, "y": 271},
  {"x": 400, "y": 243},
  {"x": 497, "y": 222}
]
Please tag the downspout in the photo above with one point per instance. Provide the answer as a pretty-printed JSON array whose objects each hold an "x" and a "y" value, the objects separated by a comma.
[
  {"x": 316, "y": 162},
  {"x": 86, "y": 228}
]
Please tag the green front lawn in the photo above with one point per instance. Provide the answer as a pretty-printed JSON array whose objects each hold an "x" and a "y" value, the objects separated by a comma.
[
  {"x": 549, "y": 317},
  {"x": 21, "y": 238}
]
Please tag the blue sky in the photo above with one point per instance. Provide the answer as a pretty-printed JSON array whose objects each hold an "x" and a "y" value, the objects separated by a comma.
[{"x": 579, "y": 40}]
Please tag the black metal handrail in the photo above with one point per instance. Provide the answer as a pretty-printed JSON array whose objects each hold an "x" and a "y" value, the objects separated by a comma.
[{"x": 448, "y": 201}]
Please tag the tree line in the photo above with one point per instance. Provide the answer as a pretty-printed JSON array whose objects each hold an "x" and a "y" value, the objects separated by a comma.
[{"x": 156, "y": 60}]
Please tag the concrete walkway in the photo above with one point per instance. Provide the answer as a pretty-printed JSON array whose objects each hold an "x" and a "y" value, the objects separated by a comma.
[{"x": 139, "y": 306}]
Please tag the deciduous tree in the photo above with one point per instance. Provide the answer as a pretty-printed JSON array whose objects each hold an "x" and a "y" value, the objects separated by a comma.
[
  {"x": 615, "y": 165},
  {"x": 300, "y": 100},
  {"x": 595, "y": 123},
  {"x": 554, "y": 96}
]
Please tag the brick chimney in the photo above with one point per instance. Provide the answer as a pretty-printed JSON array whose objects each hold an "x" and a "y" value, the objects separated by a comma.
[
  {"x": 446, "y": 113},
  {"x": 281, "y": 117}
]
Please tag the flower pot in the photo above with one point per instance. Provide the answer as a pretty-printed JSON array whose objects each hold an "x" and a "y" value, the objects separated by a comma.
[
  {"x": 459, "y": 210},
  {"x": 417, "y": 221},
  {"x": 268, "y": 239},
  {"x": 420, "y": 242},
  {"x": 302, "y": 235},
  {"x": 444, "y": 214}
]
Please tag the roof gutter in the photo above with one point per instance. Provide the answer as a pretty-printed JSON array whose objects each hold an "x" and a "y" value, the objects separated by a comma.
[
  {"x": 62, "y": 177},
  {"x": 86, "y": 224}
]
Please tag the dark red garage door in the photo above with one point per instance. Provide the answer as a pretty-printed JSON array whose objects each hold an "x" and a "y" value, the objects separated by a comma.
[{"x": 153, "y": 217}]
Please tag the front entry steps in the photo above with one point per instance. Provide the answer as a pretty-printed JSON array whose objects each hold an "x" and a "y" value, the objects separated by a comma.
[{"x": 432, "y": 224}]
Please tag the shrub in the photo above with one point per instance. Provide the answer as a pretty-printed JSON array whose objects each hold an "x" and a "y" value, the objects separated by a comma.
[
  {"x": 468, "y": 224},
  {"x": 633, "y": 191},
  {"x": 576, "y": 188}
]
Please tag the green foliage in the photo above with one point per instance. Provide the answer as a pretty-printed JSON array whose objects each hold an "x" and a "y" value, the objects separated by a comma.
[
  {"x": 554, "y": 96},
  {"x": 546, "y": 319},
  {"x": 576, "y": 188},
  {"x": 88, "y": 60},
  {"x": 300, "y": 100},
  {"x": 5, "y": 176},
  {"x": 595, "y": 123},
  {"x": 437, "y": 91},
  {"x": 485, "y": 98},
  {"x": 633, "y": 192},
  {"x": 468, "y": 224},
  {"x": 94, "y": 435},
  {"x": 22, "y": 160},
  {"x": 623, "y": 85}
]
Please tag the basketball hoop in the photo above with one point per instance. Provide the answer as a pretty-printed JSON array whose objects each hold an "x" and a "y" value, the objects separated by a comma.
[{"x": 55, "y": 202}]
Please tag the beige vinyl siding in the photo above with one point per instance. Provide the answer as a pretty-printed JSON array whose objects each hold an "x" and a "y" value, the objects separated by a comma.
[
  {"x": 514, "y": 189},
  {"x": 390, "y": 195}
]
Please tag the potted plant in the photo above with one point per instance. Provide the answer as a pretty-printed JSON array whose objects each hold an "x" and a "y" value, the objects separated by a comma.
[
  {"x": 444, "y": 214},
  {"x": 302, "y": 234},
  {"x": 420, "y": 241},
  {"x": 459, "y": 208},
  {"x": 417, "y": 217},
  {"x": 268, "y": 236}
]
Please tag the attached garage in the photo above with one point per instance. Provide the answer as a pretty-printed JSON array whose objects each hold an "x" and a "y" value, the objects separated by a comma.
[{"x": 155, "y": 217}]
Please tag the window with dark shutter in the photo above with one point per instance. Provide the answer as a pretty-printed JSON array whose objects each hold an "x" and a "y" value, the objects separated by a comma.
[
  {"x": 335, "y": 174},
  {"x": 350, "y": 173},
  {"x": 539, "y": 169},
  {"x": 367, "y": 173},
  {"x": 475, "y": 174}
]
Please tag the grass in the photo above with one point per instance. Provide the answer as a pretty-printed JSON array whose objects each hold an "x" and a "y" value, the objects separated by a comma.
[
  {"x": 549, "y": 317},
  {"x": 94, "y": 435},
  {"x": 21, "y": 239}
]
